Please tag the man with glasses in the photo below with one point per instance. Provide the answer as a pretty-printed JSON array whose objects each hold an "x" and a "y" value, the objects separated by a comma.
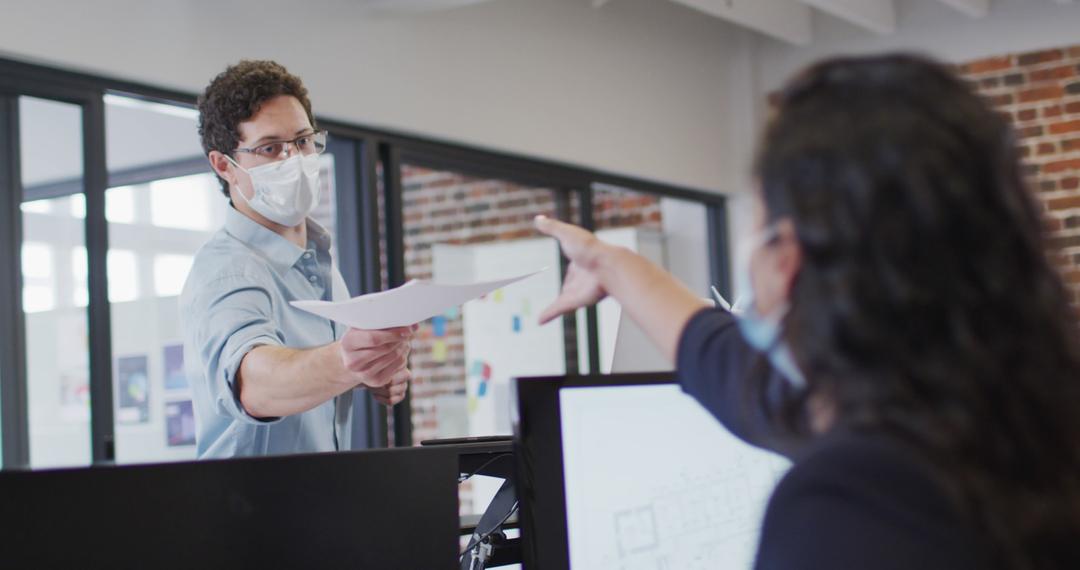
[{"x": 268, "y": 378}]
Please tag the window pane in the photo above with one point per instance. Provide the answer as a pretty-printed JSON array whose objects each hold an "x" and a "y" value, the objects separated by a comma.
[
  {"x": 37, "y": 262},
  {"x": 169, "y": 205},
  {"x": 120, "y": 208},
  {"x": 461, "y": 229},
  {"x": 123, "y": 276},
  {"x": 174, "y": 205},
  {"x": 80, "y": 296},
  {"x": 170, "y": 271},
  {"x": 148, "y": 264},
  {"x": 671, "y": 233},
  {"x": 53, "y": 253}
]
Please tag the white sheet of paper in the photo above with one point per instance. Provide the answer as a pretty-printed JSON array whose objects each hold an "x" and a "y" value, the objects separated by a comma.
[{"x": 409, "y": 304}]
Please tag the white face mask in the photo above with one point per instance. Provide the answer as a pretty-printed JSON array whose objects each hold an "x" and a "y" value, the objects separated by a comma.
[{"x": 286, "y": 191}]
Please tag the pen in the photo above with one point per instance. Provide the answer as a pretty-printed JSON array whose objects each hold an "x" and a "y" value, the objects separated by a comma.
[{"x": 720, "y": 301}]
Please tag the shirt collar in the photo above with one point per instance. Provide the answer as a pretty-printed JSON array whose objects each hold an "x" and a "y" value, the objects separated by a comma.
[{"x": 280, "y": 252}]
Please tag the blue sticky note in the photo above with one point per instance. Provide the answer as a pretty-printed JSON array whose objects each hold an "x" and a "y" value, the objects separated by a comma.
[
  {"x": 438, "y": 325},
  {"x": 517, "y": 324},
  {"x": 477, "y": 368},
  {"x": 482, "y": 390},
  {"x": 452, "y": 313}
]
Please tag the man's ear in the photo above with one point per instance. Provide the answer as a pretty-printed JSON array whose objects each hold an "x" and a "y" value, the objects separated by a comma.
[
  {"x": 788, "y": 255},
  {"x": 220, "y": 164}
]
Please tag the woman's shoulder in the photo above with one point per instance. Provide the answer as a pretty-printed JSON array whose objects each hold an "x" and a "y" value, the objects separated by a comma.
[
  {"x": 871, "y": 463},
  {"x": 865, "y": 500}
]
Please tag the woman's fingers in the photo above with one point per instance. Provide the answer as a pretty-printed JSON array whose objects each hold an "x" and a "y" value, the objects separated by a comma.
[
  {"x": 580, "y": 289},
  {"x": 557, "y": 308},
  {"x": 572, "y": 239}
]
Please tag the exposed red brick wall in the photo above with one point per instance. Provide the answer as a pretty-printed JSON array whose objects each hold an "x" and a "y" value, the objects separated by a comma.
[
  {"x": 620, "y": 209},
  {"x": 1040, "y": 92},
  {"x": 450, "y": 208}
]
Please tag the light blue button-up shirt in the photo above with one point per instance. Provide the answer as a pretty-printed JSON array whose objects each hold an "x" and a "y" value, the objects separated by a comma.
[{"x": 237, "y": 298}]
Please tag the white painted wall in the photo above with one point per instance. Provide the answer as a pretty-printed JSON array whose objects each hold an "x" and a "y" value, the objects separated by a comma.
[{"x": 637, "y": 87}]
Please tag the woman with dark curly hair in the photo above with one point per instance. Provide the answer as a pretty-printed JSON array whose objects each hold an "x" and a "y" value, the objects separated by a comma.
[{"x": 908, "y": 343}]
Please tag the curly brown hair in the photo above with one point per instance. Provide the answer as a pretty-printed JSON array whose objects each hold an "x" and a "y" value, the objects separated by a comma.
[{"x": 235, "y": 95}]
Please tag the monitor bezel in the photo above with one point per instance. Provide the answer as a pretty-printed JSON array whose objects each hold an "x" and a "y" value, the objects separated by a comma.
[{"x": 538, "y": 454}]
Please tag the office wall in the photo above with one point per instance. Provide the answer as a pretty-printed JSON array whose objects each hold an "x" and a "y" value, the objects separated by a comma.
[
  {"x": 1040, "y": 92},
  {"x": 637, "y": 87},
  {"x": 1023, "y": 56},
  {"x": 924, "y": 26}
]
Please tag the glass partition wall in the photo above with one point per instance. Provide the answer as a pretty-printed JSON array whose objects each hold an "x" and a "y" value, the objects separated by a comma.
[{"x": 114, "y": 197}]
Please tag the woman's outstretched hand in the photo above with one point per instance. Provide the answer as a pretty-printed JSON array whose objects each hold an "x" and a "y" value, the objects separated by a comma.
[{"x": 582, "y": 286}]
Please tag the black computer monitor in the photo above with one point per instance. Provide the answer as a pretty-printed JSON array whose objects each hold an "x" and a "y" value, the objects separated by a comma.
[
  {"x": 626, "y": 471},
  {"x": 385, "y": 509}
]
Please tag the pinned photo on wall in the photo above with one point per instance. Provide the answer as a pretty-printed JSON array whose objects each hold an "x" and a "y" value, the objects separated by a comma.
[
  {"x": 175, "y": 377},
  {"x": 132, "y": 390},
  {"x": 438, "y": 351},
  {"x": 179, "y": 423},
  {"x": 75, "y": 395},
  {"x": 438, "y": 326},
  {"x": 481, "y": 371}
]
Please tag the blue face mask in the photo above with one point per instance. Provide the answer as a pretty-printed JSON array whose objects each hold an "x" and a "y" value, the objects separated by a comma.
[{"x": 763, "y": 332}]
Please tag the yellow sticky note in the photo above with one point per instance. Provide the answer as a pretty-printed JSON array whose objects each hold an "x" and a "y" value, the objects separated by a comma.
[
  {"x": 498, "y": 295},
  {"x": 438, "y": 351}
]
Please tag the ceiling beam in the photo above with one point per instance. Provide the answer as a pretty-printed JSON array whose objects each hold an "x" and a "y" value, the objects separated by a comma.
[
  {"x": 973, "y": 8},
  {"x": 786, "y": 20},
  {"x": 878, "y": 16}
]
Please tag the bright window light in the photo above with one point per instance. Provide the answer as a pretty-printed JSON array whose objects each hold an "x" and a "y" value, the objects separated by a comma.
[
  {"x": 80, "y": 296},
  {"x": 37, "y": 207},
  {"x": 170, "y": 272},
  {"x": 143, "y": 105},
  {"x": 183, "y": 202},
  {"x": 37, "y": 260},
  {"x": 123, "y": 276},
  {"x": 38, "y": 298},
  {"x": 120, "y": 205},
  {"x": 77, "y": 203}
]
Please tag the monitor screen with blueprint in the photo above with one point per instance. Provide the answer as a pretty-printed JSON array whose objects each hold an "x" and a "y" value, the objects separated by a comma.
[{"x": 629, "y": 472}]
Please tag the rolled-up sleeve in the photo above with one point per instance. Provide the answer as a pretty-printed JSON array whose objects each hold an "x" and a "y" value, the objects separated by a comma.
[
  {"x": 230, "y": 316},
  {"x": 714, "y": 364}
]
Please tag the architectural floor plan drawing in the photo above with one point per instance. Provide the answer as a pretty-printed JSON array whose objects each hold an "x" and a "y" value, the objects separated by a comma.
[{"x": 654, "y": 482}]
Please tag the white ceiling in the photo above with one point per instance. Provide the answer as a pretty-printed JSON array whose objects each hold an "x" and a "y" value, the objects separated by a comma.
[
  {"x": 792, "y": 20},
  {"x": 788, "y": 20}
]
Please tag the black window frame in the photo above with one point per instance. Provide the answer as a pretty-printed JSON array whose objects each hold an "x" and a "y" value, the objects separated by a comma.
[{"x": 359, "y": 153}]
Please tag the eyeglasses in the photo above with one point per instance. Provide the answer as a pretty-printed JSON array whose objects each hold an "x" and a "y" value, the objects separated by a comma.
[{"x": 310, "y": 143}]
